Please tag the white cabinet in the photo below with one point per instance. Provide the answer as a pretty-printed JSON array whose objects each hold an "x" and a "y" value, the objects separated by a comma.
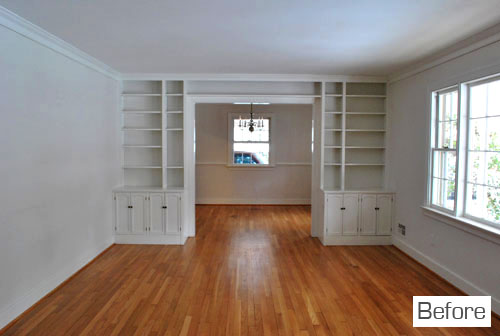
[
  {"x": 173, "y": 213},
  {"x": 368, "y": 225},
  {"x": 384, "y": 214},
  {"x": 350, "y": 215},
  {"x": 376, "y": 215},
  {"x": 358, "y": 219},
  {"x": 122, "y": 213},
  {"x": 154, "y": 217},
  {"x": 138, "y": 218},
  {"x": 157, "y": 210},
  {"x": 334, "y": 214},
  {"x": 342, "y": 214}
]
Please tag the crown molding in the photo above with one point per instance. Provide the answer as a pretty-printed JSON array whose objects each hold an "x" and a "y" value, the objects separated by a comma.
[
  {"x": 251, "y": 77},
  {"x": 415, "y": 70},
  {"x": 31, "y": 31}
]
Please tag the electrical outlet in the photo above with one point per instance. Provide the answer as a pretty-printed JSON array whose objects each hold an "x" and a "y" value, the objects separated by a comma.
[{"x": 402, "y": 229}]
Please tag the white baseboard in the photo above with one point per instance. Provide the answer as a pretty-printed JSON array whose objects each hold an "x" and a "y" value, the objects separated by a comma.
[
  {"x": 333, "y": 240},
  {"x": 445, "y": 273},
  {"x": 33, "y": 295},
  {"x": 174, "y": 239},
  {"x": 277, "y": 201}
]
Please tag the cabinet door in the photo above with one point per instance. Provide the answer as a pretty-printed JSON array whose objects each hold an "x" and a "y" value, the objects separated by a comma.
[
  {"x": 368, "y": 220},
  {"x": 173, "y": 213},
  {"x": 138, "y": 212},
  {"x": 333, "y": 214},
  {"x": 384, "y": 215},
  {"x": 157, "y": 213},
  {"x": 122, "y": 213},
  {"x": 350, "y": 215}
]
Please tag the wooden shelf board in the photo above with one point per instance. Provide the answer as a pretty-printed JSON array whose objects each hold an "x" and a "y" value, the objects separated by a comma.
[
  {"x": 175, "y": 129},
  {"x": 244, "y": 95},
  {"x": 333, "y": 112},
  {"x": 141, "y": 112},
  {"x": 140, "y": 129},
  {"x": 141, "y": 94},
  {"x": 175, "y": 167},
  {"x": 365, "y": 164},
  {"x": 140, "y": 146},
  {"x": 363, "y": 130},
  {"x": 366, "y": 113},
  {"x": 366, "y": 96},
  {"x": 174, "y": 112},
  {"x": 333, "y": 95}
]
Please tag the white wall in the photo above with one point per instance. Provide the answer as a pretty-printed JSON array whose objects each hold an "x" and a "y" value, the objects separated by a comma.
[
  {"x": 468, "y": 261},
  {"x": 59, "y": 149},
  {"x": 287, "y": 183}
]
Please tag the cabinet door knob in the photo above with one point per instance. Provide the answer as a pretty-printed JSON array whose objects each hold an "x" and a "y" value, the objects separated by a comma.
[
  {"x": 130, "y": 207},
  {"x": 377, "y": 208},
  {"x": 342, "y": 208},
  {"x": 164, "y": 207}
]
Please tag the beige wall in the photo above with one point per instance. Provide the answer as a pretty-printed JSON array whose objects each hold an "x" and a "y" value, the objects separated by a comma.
[{"x": 288, "y": 182}]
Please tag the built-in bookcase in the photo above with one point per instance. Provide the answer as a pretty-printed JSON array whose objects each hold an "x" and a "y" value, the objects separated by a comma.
[
  {"x": 354, "y": 126},
  {"x": 152, "y": 125}
]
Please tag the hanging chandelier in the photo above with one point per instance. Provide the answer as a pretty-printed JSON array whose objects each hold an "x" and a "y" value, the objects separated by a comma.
[{"x": 251, "y": 124}]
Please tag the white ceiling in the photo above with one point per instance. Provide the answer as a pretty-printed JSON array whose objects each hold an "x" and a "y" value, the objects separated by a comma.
[{"x": 261, "y": 36}]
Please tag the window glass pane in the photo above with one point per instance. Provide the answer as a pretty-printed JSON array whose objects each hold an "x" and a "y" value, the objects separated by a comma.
[
  {"x": 476, "y": 167},
  {"x": 445, "y": 164},
  {"x": 478, "y": 101},
  {"x": 493, "y": 98},
  {"x": 493, "y": 137},
  {"x": 477, "y": 134},
  {"x": 493, "y": 169},
  {"x": 447, "y": 132},
  {"x": 443, "y": 193},
  {"x": 483, "y": 202},
  {"x": 242, "y": 134},
  {"x": 448, "y": 106},
  {"x": 251, "y": 153},
  {"x": 483, "y": 171}
]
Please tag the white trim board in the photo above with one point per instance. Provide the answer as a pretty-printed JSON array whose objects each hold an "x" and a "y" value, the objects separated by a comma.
[
  {"x": 23, "y": 303},
  {"x": 415, "y": 70},
  {"x": 250, "y": 201},
  {"x": 252, "y": 77},
  {"x": 445, "y": 273},
  {"x": 31, "y": 31}
]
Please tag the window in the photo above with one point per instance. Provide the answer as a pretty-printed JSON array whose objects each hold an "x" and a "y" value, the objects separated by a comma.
[
  {"x": 444, "y": 149},
  {"x": 465, "y": 151},
  {"x": 483, "y": 152},
  {"x": 249, "y": 148}
]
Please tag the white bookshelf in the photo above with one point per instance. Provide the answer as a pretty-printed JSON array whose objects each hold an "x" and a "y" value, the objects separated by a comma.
[
  {"x": 173, "y": 134},
  {"x": 354, "y": 126},
  {"x": 152, "y": 127}
]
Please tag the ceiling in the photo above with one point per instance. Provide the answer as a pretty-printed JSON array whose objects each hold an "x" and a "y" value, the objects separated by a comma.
[{"x": 362, "y": 37}]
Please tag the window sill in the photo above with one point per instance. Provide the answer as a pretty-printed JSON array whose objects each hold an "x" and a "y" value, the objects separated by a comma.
[{"x": 478, "y": 229}]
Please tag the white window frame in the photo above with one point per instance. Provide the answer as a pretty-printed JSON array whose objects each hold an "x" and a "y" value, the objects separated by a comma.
[
  {"x": 230, "y": 141},
  {"x": 469, "y": 85},
  {"x": 462, "y": 157},
  {"x": 434, "y": 143}
]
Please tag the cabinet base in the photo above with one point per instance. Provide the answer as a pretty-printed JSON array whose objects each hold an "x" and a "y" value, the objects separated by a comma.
[
  {"x": 150, "y": 240},
  {"x": 356, "y": 240}
]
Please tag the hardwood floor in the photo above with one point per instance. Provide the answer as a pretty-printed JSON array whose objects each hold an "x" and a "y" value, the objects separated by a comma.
[{"x": 251, "y": 270}]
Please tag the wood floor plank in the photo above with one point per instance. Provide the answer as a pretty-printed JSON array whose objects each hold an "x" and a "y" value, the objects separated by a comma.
[{"x": 251, "y": 270}]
